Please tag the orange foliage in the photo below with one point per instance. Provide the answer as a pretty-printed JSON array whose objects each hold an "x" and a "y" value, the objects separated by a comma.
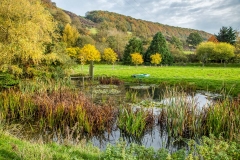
[{"x": 213, "y": 39}]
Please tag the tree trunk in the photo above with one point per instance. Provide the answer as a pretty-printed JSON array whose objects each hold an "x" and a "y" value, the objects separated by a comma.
[{"x": 91, "y": 70}]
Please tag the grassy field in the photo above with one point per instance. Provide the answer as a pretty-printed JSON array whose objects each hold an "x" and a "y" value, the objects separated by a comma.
[{"x": 214, "y": 79}]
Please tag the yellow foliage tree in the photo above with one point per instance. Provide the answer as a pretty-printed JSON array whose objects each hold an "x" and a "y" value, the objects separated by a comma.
[
  {"x": 70, "y": 35},
  {"x": 156, "y": 59},
  {"x": 91, "y": 54},
  {"x": 109, "y": 55},
  {"x": 26, "y": 28},
  {"x": 137, "y": 58},
  {"x": 73, "y": 52}
]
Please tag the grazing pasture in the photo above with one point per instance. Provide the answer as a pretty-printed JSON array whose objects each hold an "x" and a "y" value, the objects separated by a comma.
[{"x": 216, "y": 79}]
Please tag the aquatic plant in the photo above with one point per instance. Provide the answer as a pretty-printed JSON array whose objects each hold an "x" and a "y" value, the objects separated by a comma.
[
  {"x": 110, "y": 80},
  {"x": 57, "y": 110},
  {"x": 223, "y": 118},
  {"x": 135, "y": 121},
  {"x": 181, "y": 116}
]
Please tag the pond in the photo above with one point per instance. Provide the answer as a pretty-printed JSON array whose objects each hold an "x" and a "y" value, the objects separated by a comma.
[{"x": 152, "y": 98}]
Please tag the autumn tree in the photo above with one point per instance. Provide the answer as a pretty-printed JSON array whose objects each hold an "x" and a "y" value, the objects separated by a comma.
[
  {"x": 61, "y": 16},
  {"x": 159, "y": 45},
  {"x": 213, "y": 39},
  {"x": 237, "y": 44},
  {"x": 194, "y": 39},
  {"x": 117, "y": 41},
  {"x": 204, "y": 51},
  {"x": 73, "y": 52},
  {"x": 227, "y": 35},
  {"x": 223, "y": 52},
  {"x": 85, "y": 39},
  {"x": 109, "y": 55},
  {"x": 134, "y": 46},
  {"x": 27, "y": 30},
  {"x": 215, "y": 51},
  {"x": 156, "y": 59},
  {"x": 91, "y": 54},
  {"x": 70, "y": 35},
  {"x": 136, "y": 58}
]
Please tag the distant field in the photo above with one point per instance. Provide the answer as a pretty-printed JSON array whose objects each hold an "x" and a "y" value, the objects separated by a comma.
[
  {"x": 93, "y": 30},
  {"x": 188, "y": 52},
  {"x": 204, "y": 78}
]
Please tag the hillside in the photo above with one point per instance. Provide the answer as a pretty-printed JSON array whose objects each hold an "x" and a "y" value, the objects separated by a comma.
[
  {"x": 114, "y": 21},
  {"x": 140, "y": 27}
]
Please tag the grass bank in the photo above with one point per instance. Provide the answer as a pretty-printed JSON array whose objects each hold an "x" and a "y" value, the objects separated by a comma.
[
  {"x": 215, "y": 79},
  {"x": 209, "y": 148},
  {"x": 14, "y": 148}
]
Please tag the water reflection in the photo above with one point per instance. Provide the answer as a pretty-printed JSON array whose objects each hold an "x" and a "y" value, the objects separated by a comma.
[{"x": 155, "y": 137}]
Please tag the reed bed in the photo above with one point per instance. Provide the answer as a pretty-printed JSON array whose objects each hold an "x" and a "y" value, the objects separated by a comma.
[
  {"x": 135, "y": 121},
  {"x": 110, "y": 80},
  {"x": 223, "y": 119},
  {"x": 57, "y": 110},
  {"x": 180, "y": 116}
]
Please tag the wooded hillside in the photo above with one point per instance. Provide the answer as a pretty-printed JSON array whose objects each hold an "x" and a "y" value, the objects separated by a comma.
[
  {"x": 140, "y": 27},
  {"x": 114, "y": 21}
]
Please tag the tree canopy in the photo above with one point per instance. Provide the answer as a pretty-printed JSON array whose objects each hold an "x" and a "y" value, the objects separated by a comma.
[
  {"x": 215, "y": 51},
  {"x": 27, "y": 30},
  {"x": 194, "y": 39},
  {"x": 156, "y": 58},
  {"x": 136, "y": 58},
  {"x": 70, "y": 35},
  {"x": 90, "y": 53},
  {"x": 134, "y": 45},
  {"x": 109, "y": 55},
  {"x": 159, "y": 45},
  {"x": 205, "y": 50},
  {"x": 227, "y": 34}
]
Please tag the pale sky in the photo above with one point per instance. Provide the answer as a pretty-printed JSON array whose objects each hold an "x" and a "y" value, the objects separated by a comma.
[{"x": 206, "y": 15}]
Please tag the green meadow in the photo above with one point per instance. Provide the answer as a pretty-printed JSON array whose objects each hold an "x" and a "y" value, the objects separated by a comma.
[{"x": 215, "y": 79}]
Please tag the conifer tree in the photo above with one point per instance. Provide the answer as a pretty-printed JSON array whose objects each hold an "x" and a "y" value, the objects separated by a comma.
[
  {"x": 134, "y": 45},
  {"x": 159, "y": 45}
]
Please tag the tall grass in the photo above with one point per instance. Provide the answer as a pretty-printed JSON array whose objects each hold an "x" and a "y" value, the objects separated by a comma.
[
  {"x": 135, "y": 121},
  {"x": 223, "y": 119},
  {"x": 56, "y": 111},
  {"x": 15, "y": 106},
  {"x": 181, "y": 117}
]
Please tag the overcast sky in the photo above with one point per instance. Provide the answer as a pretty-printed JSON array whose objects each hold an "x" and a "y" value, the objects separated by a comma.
[{"x": 206, "y": 15}]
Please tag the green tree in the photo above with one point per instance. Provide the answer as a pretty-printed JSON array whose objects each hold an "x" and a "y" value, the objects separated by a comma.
[
  {"x": 177, "y": 43},
  {"x": 70, "y": 35},
  {"x": 27, "y": 30},
  {"x": 134, "y": 45},
  {"x": 204, "y": 51},
  {"x": 194, "y": 39},
  {"x": 136, "y": 58},
  {"x": 227, "y": 35},
  {"x": 159, "y": 45}
]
